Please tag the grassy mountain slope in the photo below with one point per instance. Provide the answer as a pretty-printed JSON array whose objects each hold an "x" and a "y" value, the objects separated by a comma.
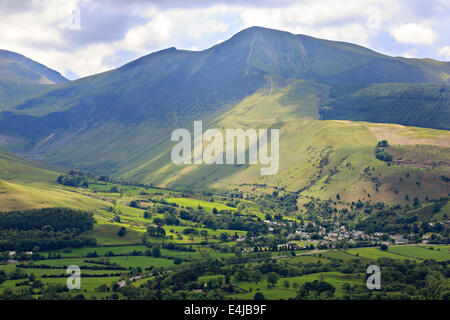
[
  {"x": 424, "y": 105},
  {"x": 25, "y": 184},
  {"x": 317, "y": 158},
  {"x": 285, "y": 55},
  {"x": 18, "y": 67},
  {"x": 22, "y": 78}
]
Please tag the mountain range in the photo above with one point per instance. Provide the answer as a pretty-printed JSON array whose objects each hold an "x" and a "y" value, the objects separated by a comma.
[
  {"x": 332, "y": 101},
  {"x": 22, "y": 78}
]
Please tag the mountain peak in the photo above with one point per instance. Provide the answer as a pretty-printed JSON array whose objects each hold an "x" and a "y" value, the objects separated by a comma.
[
  {"x": 19, "y": 67},
  {"x": 257, "y": 30}
]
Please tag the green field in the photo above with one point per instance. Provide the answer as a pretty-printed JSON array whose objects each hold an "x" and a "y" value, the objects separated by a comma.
[
  {"x": 106, "y": 234},
  {"x": 141, "y": 261},
  {"x": 279, "y": 292},
  {"x": 305, "y": 259},
  {"x": 207, "y": 206},
  {"x": 441, "y": 253},
  {"x": 404, "y": 252},
  {"x": 82, "y": 252},
  {"x": 341, "y": 255},
  {"x": 375, "y": 253}
]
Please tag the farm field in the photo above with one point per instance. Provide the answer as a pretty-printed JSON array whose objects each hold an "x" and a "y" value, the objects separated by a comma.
[
  {"x": 101, "y": 251},
  {"x": 106, "y": 234},
  {"x": 280, "y": 292},
  {"x": 441, "y": 253},
  {"x": 340, "y": 255},
  {"x": 196, "y": 203},
  {"x": 375, "y": 253},
  {"x": 304, "y": 259},
  {"x": 141, "y": 262}
]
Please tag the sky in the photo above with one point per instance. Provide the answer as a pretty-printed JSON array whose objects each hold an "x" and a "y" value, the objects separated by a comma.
[{"x": 83, "y": 37}]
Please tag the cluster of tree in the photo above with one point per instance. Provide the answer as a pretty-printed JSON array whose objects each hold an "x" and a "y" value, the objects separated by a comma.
[
  {"x": 64, "y": 267},
  {"x": 58, "y": 218},
  {"x": 398, "y": 222},
  {"x": 226, "y": 220},
  {"x": 285, "y": 203},
  {"x": 222, "y": 219},
  {"x": 156, "y": 231},
  {"x": 176, "y": 247},
  {"x": 382, "y": 154},
  {"x": 23, "y": 255},
  {"x": 323, "y": 209},
  {"x": 316, "y": 290},
  {"x": 52, "y": 291},
  {"x": 48, "y": 229},
  {"x": 46, "y": 239},
  {"x": 75, "y": 179}
]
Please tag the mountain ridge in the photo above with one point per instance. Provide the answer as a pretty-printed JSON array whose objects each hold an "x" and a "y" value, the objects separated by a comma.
[
  {"x": 22, "y": 78},
  {"x": 119, "y": 122},
  {"x": 54, "y": 77}
]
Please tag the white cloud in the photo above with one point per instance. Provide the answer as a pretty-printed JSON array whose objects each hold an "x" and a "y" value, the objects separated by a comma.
[
  {"x": 84, "y": 61},
  {"x": 167, "y": 27},
  {"x": 307, "y": 13},
  {"x": 413, "y": 33},
  {"x": 355, "y": 33},
  {"x": 333, "y": 20},
  {"x": 158, "y": 30},
  {"x": 37, "y": 27},
  {"x": 39, "y": 33},
  {"x": 445, "y": 52}
]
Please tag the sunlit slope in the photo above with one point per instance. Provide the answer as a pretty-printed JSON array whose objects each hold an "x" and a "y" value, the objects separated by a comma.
[
  {"x": 15, "y": 168},
  {"x": 317, "y": 158},
  {"x": 25, "y": 184},
  {"x": 18, "y": 195},
  {"x": 277, "y": 102},
  {"x": 325, "y": 158}
]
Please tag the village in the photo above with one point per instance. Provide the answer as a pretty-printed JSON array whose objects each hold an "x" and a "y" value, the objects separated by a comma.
[{"x": 304, "y": 239}]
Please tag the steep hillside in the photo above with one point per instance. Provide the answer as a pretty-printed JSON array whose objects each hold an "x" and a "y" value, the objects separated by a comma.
[
  {"x": 26, "y": 184},
  {"x": 22, "y": 78},
  {"x": 317, "y": 158},
  {"x": 422, "y": 105},
  {"x": 17, "y": 67}
]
